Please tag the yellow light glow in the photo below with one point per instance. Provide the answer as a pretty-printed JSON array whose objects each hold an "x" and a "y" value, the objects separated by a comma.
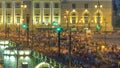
[
  {"x": 21, "y": 52},
  {"x": 92, "y": 21},
  {"x": 86, "y": 10},
  {"x": 27, "y": 52},
  {"x": 102, "y": 46},
  {"x": 79, "y": 21},
  {"x": 83, "y": 21},
  {"x": 23, "y": 6},
  {"x": 100, "y": 21},
  {"x": 74, "y": 10},
  {"x": 95, "y": 6},
  {"x": 65, "y": 17},
  {"x": 21, "y": 57},
  {"x": 100, "y": 6},
  {"x": 67, "y": 11}
]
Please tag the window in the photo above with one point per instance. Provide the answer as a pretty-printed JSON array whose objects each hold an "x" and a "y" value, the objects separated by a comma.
[
  {"x": 17, "y": 5},
  {"x": 73, "y": 18},
  {"x": 86, "y": 6},
  {"x": 46, "y": 14},
  {"x": 47, "y": 19},
  {"x": 46, "y": 5},
  {"x": 8, "y": 19},
  {"x": 56, "y": 5},
  {"x": 37, "y": 5},
  {"x": 73, "y": 6},
  {"x": 56, "y": 19},
  {"x": 86, "y": 18},
  {"x": 37, "y": 19},
  {"x": 56, "y": 14},
  {"x": 8, "y": 5},
  {"x": 18, "y": 19}
]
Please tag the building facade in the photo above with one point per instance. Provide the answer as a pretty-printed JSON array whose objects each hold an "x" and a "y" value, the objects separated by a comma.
[
  {"x": 87, "y": 14},
  {"x": 67, "y": 13},
  {"x": 39, "y": 13}
]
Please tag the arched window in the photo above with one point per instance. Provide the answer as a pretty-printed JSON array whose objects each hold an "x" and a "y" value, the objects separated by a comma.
[
  {"x": 86, "y": 18},
  {"x": 73, "y": 18}
]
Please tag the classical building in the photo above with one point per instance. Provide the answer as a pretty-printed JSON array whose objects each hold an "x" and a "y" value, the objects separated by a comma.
[
  {"x": 88, "y": 14},
  {"x": 80, "y": 14},
  {"x": 38, "y": 13}
]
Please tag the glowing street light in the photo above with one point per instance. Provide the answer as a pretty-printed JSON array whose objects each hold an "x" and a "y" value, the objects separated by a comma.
[
  {"x": 24, "y": 25},
  {"x": 23, "y": 6},
  {"x": 98, "y": 6}
]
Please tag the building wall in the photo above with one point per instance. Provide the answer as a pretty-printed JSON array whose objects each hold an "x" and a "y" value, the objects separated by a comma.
[
  {"x": 42, "y": 17},
  {"x": 80, "y": 10},
  {"x": 39, "y": 15}
]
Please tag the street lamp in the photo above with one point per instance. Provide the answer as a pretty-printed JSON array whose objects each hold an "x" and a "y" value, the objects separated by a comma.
[
  {"x": 59, "y": 30},
  {"x": 98, "y": 6},
  {"x": 23, "y": 7}
]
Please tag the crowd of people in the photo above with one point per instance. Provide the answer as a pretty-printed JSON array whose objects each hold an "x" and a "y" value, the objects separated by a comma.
[{"x": 95, "y": 52}]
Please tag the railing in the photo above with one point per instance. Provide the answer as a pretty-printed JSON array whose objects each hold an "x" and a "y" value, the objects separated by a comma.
[{"x": 39, "y": 57}]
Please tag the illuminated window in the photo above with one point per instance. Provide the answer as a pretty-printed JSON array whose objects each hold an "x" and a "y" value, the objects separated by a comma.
[
  {"x": 8, "y": 5},
  {"x": 46, "y": 20},
  {"x": 37, "y": 5},
  {"x": 18, "y": 19},
  {"x": 86, "y": 18},
  {"x": 37, "y": 19},
  {"x": 17, "y": 5},
  {"x": 56, "y": 14},
  {"x": 56, "y": 19},
  {"x": 56, "y": 5},
  {"x": 73, "y": 18},
  {"x": 46, "y": 5}
]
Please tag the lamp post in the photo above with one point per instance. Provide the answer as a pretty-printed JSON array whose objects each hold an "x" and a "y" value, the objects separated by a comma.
[
  {"x": 59, "y": 30},
  {"x": 98, "y": 6},
  {"x": 24, "y": 25},
  {"x": 27, "y": 29},
  {"x": 23, "y": 7}
]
